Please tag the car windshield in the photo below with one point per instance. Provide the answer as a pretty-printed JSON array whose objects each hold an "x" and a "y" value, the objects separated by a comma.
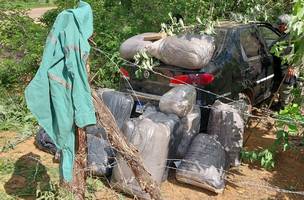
[{"x": 219, "y": 37}]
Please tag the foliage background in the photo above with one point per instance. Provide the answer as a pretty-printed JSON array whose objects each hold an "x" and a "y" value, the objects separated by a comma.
[{"x": 115, "y": 21}]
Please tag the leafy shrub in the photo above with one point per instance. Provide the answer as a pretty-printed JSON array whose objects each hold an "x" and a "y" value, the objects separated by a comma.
[
  {"x": 49, "y": 17},
  {"x": 14, "y": 116},
  {"x": 289, "y": 124},
  {"x": 22, "y": 44}
]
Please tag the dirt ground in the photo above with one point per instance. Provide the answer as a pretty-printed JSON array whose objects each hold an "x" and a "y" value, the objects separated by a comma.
[
  {"x": 248, "y": 181},
  {"x": 36, "y": 13}
]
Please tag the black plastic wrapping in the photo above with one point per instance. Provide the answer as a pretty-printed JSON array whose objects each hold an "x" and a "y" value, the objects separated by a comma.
[{"x": 204, "y": 164}]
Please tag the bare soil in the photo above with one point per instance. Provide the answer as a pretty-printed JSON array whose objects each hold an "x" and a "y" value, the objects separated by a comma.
[
  {"x": 36, "y": 13},
  {"x": 6, "y": 137},
  {"x": 248, "y": 181}
]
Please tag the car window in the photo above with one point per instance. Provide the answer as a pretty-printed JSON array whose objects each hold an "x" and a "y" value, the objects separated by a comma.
[
  {"x": 250, "y": 42},
  {"x": 269, "y": 35},
  {"x": 219, "y": 38}
]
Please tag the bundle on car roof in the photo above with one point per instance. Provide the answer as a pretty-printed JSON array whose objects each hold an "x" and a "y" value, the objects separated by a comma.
[{"x": 190, "y": 51}]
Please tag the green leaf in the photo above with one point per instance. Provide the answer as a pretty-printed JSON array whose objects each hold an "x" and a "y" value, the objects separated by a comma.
[
  {"x": 285, "y": 146},
  {"x": 263, "y": 161},
  {"x": 292, "y": 128}
]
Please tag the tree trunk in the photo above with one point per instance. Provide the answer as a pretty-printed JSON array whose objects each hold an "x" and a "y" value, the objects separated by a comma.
[
  {"x": 78, "y": 185},
  {"x": 128, "y": 151},
  {"x": 80, "y": 165}
]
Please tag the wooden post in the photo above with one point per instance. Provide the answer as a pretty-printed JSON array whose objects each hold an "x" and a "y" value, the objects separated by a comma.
[
  {"x": 80, "y": 165},
  {"x": 78, "y": 184}
]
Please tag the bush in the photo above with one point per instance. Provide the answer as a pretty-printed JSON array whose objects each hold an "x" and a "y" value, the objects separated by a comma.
[
  {"x": 49, "y": 17},
  {"x": 22, "y": 44}
]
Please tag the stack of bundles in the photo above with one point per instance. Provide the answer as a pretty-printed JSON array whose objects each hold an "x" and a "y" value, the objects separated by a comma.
[
  {"x": 204, "y": 164},
  {"x": 172, "y": 121},
  {"x": 175, "y": 125},
  {"x": 243, "y": 106},
  {"x": 181, "y": 101},
  {"x": 120, "y": 104},
  {"x": 191, "y": 51},
  {"x": 100, "y": 153},
  {"x": 226, "y": 122},
  {"x": 151, "y": 135}
]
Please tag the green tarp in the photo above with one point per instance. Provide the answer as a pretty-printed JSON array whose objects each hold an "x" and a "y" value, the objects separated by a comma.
[{"x": 59, "y": 95}]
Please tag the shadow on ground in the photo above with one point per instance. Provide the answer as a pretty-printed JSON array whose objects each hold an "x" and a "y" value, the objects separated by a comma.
[{"x": 29, "y": 176}]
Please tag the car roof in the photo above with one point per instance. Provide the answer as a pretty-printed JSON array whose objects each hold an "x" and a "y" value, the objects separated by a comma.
[
  {"x": 234, "y": 24},
  {"x": 228, "y": 24}
]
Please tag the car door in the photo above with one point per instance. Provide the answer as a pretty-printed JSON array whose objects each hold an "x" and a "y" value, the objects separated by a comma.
[
  {"x": 270, "y": 36},
  {"x": 256, "y": 61}
]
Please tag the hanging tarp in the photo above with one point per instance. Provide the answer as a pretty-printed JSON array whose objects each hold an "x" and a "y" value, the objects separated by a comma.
[{"x": 59, "y": 96}]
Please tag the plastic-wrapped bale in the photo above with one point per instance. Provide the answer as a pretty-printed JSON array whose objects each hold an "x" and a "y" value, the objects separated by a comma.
[
  {"x": 243, "y": 106},
  {"x": 100, "y": 153},
  {"x": 189, "y": 51},
  {"x": 44, "y": 142},
  {"x": 204, "y": 164},
  {"x": 120, "y": 104},
  {"x": 190, "y": 127},
  {"x": 174, "y": 123},
  {"x": 133, "y": 45},
  {"x": 228, "y": 125},
  {"x": 179, "y": 100},
  {"x": 151, "y": 135}
]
